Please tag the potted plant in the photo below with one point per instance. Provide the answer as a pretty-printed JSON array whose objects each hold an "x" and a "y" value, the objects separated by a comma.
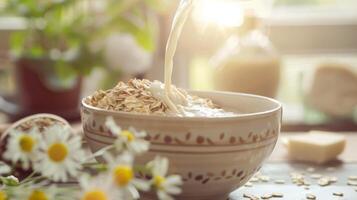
[{"x": 62, "y": 42}]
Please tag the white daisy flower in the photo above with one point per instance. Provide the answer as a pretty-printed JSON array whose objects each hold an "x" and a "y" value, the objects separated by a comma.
[
  {"x": 165, "y": 186},
  {"x": 130, "y": 140},
  {"x": 60, "y": 154},
  {"x": 22, "y": 147},
  {"x": 98, "y": 188},
  {"x": 123, "y": 177},
  {"x": 4, "y": 168},
  {"x": 35, "y": 193}
]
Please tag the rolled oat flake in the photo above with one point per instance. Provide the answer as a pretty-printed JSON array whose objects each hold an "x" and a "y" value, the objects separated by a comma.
[
  {"x": 267, "y": 196},
  {"x": 340, "y": 194},
  {"x": 310, "y": 196},
  {"x": 277, "y": 195},
  {"x": 250, "y": 196},
  {"x": 352, "y": 183}
]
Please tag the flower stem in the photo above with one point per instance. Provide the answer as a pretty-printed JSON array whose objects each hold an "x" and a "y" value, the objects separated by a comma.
[
  {"x": 28, "y": 177},
  {"x": 99, "y": 153}
]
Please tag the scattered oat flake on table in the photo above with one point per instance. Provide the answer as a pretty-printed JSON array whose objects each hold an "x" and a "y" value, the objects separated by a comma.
[
  {"x": 248, "y": 184},
  {"x": 250, "y": 196},
  {"x": 254, "y": 179},
  {"x": 264, "y": 178},
  {"x": 310, "y": 196},
  {"x": 279, "y": 181},
  {"x": 298, "y": 179},
  {"x": 267, "y": 196},
  {"x": 339, "y": 194},
  {"x": 277, "y": 195},
  {"x": 333, "y": 179},
  {"x": 352, "y": 183},
  {"x": 306, "y": 183},
  {"x": 352, "y": 178},
  {"x": 323, "y": 181}
]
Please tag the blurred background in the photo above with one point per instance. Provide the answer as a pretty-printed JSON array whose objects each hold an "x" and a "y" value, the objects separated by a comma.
[{"x": 301, "y": 52}]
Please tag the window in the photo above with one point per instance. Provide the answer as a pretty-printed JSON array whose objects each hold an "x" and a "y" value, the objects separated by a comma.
[
  {"x": 309, "y": 32},
  {"x": 313, "y": 10},
  {"x": 306, "y": 33}
]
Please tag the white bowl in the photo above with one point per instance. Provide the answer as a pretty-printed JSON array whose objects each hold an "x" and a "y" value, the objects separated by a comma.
[{"x": 214, "y": 156}]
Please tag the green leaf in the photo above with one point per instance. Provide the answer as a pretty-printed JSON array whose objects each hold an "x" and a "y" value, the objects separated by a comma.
[
  {"x": 160, "y": 5},
  {"x": 36, "y": 51},
  {"x": 143, "y": 35},
  {"x": 67, "y": 24},
  {"x": 64, "y": 71},
  {"x": 110, "y": 80},
  {"x": 121, "y": 6},
  {"x": 17, "y": 41},
  {"x": 145, "y": 39}
]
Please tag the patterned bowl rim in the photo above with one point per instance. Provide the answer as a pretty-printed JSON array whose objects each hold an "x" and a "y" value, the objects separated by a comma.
[{"x": 245, "y": 116}]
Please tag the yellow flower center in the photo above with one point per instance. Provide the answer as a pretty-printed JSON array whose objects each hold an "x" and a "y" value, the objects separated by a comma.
[
  {"x": 3, "y": 195},
  {"x": 26, "y": 143},
  {"x": 38, "y": 195},
  {"x": 129, "y": 135},
  {"x": 158, "y": 181},
  {"x": 57, "y": 152},
  {"x": 95, "y": 195},
  {"x": 123, "y": 175}
]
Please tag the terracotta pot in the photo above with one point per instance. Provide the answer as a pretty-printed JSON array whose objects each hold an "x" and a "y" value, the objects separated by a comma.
[
  {"x": 213, "y": 155},
  {"x": 34, "y": 96}
]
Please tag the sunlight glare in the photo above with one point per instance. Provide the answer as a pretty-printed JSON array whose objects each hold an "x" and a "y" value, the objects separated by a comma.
[{"x": 218, "y": 12}]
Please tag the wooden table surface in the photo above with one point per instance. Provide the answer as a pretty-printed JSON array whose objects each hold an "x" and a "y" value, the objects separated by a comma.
[{"x": 279, "y": 167}]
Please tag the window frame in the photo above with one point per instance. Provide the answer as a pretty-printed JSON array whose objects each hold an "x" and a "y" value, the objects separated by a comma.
[{"x": 310, "y": 30}]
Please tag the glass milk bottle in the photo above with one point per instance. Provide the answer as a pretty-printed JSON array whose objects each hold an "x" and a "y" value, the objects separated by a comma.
[{"x": 247, "y": 62}]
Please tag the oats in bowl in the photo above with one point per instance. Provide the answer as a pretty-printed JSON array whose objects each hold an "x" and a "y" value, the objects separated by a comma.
[
  {"x": 146, "y": 97},
  {"x": 131, "y": 97}
]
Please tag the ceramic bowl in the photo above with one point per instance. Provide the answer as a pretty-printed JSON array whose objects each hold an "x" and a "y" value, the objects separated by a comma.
[{"x": 214, "y": 156}]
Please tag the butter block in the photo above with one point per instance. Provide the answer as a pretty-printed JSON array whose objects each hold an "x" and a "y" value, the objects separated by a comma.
[{"x": 316, "y": 146}]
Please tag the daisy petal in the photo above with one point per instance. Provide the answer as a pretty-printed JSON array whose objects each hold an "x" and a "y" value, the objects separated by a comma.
[
  {"x": 141, "y": 184},
  {"x": 172, "y": 190},
  {"x": 114, "y": 128},
  {"x": 164, "y": 196},
  {"x": 133, "y": 192},
  {"x": 174, "y": 179}
]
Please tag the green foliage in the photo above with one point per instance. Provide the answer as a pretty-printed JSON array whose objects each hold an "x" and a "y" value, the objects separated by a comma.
[{"x": 63, "y": 30}]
